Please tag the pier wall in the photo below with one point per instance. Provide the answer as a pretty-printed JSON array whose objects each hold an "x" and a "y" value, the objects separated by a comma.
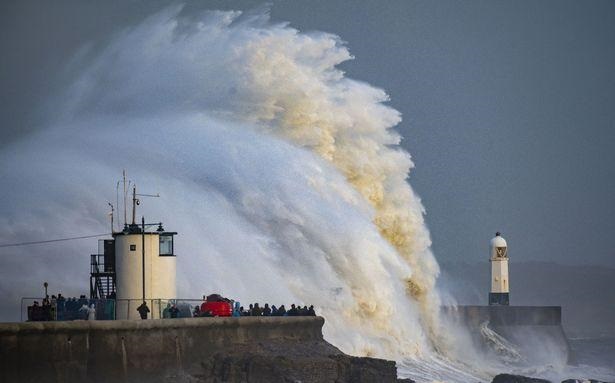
[
  {"x": 178, "y": 350},
  {"x": 510, "y": 315}
]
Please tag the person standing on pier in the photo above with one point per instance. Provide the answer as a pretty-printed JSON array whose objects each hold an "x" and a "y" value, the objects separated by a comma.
[{"x": 143, "y": 310}]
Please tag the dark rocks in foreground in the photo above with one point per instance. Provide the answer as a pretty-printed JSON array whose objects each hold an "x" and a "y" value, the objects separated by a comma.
[
  {"x": 508, "y": 378},
  {"x": 258, "y": 366}
]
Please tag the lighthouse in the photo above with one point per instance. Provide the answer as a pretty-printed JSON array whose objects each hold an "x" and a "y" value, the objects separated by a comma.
[
  {"x": 499, "y": 294},
  {"x": 145, "y": 267},
  {"x": 138, "y": 265}
]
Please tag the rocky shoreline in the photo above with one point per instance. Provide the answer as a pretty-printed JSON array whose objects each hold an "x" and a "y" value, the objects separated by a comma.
[
  {"x": 509, "y": 378},
  {"x": 281, "y": 361}
]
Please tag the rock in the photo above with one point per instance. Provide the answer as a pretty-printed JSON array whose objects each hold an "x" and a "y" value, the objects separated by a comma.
[
  {"x": 582, "y": 381},
  {"x": 508, "y": 378},
  {"x": 259, "y": 367}
]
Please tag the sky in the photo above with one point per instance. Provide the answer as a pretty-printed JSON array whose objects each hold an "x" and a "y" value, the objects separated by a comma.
[{"x": 508, "y": 106}]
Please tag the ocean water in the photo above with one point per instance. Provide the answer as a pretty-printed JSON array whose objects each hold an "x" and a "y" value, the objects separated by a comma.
[
  {"x": 589, "y": 358},
  {"x": 594, "y": 353}
]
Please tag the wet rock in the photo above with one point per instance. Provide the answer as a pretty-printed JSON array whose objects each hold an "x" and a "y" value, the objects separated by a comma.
[
  {"x": 258, "y": 367},
  {"x": 508, "y": 378}
]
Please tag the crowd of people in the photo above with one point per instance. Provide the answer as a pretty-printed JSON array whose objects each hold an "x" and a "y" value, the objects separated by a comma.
[
  {"x": 59, "y": 308},
  {"x": 63, "y": 309},
  {"x": 233, "y": 309},
  {"x": 255, "y": 310}
]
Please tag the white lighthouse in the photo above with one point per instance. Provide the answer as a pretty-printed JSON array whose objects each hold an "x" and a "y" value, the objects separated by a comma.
[
  {"x": 145, "y": 269},
  {"x": 138, "y": 265},
  {"x": 499, "y": 294}
]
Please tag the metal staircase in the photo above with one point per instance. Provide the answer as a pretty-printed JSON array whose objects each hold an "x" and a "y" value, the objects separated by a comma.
[{"x": 102, "y": 272}]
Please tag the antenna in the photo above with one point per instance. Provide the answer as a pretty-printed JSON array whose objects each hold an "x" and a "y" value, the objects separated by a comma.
[
  {"x": 124, "y": 181},
  {"x": 117, "y": 195},
  {"x": 136, "y": 201}
]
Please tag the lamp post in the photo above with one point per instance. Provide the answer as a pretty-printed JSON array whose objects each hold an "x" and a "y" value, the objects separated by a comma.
[
  {"x": 143, "y": 253},
  {"x": 45, "y": 285}
]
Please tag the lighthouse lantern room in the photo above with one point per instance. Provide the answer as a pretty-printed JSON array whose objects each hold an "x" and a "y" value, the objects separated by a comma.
[{"x": 499, "y": 294}]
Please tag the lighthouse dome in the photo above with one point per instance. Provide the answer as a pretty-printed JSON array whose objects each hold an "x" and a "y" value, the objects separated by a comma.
[{"x": 498, "y": 241}]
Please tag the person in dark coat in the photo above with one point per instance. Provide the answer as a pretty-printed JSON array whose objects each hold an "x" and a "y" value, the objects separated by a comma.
[
  {"x": 61, "y": 307},
  {"x": 174, "y": 311},
  {"x": 47, "y": 309},
  {"x": 143, "y": 310},
  {"x": 311, "y": 312},
  {"x": 266, "y": 310},
  {"x": 282, "y": 311},
  {"x": 293, "y": 312}
]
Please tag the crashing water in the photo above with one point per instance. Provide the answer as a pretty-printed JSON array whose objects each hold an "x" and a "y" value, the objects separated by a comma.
[{"x": 282, "y": 176}]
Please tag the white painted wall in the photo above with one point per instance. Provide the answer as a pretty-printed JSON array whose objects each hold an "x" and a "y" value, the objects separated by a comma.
[
  {"x": 160, "y": 275},
  {"x": 499, "y": 276},
  {"x": 500, "y": 282}
]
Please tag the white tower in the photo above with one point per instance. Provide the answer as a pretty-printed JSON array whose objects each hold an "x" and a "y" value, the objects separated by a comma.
[
  {"x": 138, "y": 265},
  {"x": 499, "y": 294},
  {"x": 145, "y": 269}
]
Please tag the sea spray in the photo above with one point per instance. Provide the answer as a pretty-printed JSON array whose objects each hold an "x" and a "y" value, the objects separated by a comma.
[
  {"x": 284, "y": 83},
  {"x": 283, "y": 177}
]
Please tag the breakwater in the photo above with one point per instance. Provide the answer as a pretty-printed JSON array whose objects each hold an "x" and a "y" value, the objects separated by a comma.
[{"x": 181, "y": 350}]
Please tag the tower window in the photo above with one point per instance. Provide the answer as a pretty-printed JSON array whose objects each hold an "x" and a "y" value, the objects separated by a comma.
[
  {"x": 166, "y": 245},
  {"x": 133, "y": 247}
]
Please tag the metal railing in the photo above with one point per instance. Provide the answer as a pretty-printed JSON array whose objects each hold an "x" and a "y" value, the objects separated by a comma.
[
  {"x": 185, "y": 307},
  {"x": 158, "y": 308},
  {"x": 108, "y": 309},
  {"x": 66, "y": 310},
  {"x": 129, "y": 308}
]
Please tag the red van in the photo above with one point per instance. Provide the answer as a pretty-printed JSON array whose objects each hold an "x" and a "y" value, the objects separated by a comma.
[{"x": 217, "y": 306}]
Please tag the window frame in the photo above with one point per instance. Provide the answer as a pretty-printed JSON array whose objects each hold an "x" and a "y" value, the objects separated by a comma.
[{"x": 160, "y": 238}]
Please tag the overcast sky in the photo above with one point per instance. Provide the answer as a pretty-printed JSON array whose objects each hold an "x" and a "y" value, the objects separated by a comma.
[{"x": 508, "y": 107}]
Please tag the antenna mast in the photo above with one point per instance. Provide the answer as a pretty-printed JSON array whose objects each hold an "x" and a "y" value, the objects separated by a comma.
[
  {"x": 117, "y": 196},
  {"x": 124, "y": 181},
  {"x": 136, "y": 201}
]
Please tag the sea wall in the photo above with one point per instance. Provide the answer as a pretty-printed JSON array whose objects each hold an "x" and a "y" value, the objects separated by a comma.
[
  {"x": 180, "y": 350},
  {"x": 511, "y": 315}
]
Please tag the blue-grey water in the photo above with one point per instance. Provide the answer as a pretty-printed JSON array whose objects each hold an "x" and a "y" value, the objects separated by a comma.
[{"x": 598, "y": 352}]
